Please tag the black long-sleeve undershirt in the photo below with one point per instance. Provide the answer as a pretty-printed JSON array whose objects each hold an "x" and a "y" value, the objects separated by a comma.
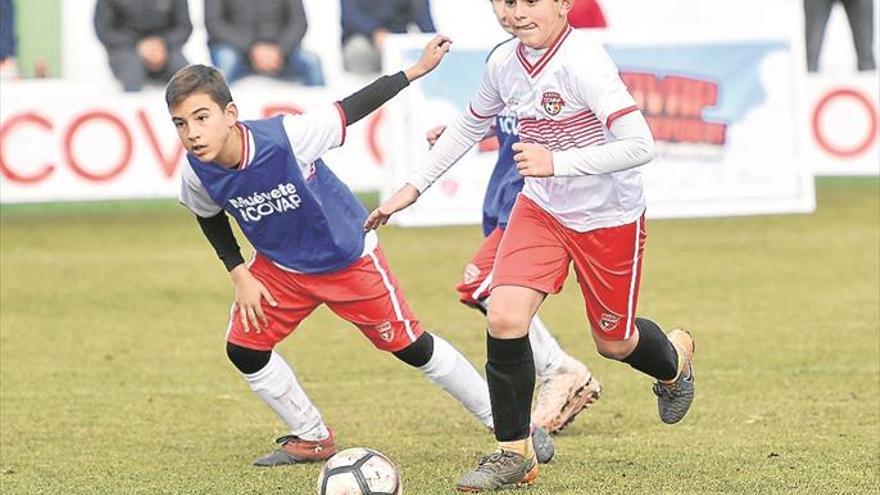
[
  {"x": 372, "y": 96},
  {"x": 355, "y": 107},
  {"x": 219, "y": 234}
]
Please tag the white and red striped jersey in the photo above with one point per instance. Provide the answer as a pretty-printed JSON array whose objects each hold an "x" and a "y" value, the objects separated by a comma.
[{"x": 566, "y": 96}]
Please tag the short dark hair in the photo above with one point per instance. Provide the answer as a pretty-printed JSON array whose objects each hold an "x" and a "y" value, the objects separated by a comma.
[{"x": 194, "y": 79}]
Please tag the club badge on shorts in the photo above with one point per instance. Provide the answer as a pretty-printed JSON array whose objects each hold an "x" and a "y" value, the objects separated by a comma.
[
  {"x": 385, "y": 331},
  {"x": 552, "y": 102},
  {"x": 608, "y": 322},
  {"x": 471, "y": 272}
]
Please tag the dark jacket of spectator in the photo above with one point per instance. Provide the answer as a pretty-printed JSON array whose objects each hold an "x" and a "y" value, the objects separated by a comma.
[
  {"x": 241, "y": 23},
  {"x": 122, "y": 23},
  {"x": 7, "y": 29},
  {"x": 366, "y": 16}
]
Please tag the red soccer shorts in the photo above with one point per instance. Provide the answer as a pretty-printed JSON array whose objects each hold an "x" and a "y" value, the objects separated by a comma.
[
  {"x": 365, "y": 293},
  {"x": 537, "y": 249},
  {"x": 474, "y": 286}
]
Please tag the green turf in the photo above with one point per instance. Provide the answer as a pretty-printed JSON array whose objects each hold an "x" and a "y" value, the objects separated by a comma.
[{"x": 113, "y": 377}]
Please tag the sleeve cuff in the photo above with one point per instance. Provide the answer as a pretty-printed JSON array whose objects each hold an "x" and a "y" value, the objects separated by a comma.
[
  {"x": 339, "y": 109},
  {"x": 561, "y": 165},
  {"x": 419, "y": 183}
]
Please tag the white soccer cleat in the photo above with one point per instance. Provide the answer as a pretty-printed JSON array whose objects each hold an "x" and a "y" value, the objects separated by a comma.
[{"x": 563, "y": 394}]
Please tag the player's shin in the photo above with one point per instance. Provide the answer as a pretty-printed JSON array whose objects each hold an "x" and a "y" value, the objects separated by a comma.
[
  {"x": 654, "y": 354},
  {"x": 447, "y": 367},
  {"x": 510, "y": 371},
  {"x": 276, "y": 384},
  {"x": 547, "y": 354}
]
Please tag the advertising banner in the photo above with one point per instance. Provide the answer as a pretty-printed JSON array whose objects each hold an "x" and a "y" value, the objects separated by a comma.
[{"x": 63, "y": 141}]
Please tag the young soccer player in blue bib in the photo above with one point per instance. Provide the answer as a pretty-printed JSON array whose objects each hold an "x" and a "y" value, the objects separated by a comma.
[{"x": 306, "y": 228}]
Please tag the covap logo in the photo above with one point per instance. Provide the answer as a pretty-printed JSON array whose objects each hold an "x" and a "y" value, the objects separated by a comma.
[{"x": 279, "y": 199}]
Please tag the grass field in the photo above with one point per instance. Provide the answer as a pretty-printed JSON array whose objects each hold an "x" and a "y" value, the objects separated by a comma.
[{"x": 113, "y": 377}]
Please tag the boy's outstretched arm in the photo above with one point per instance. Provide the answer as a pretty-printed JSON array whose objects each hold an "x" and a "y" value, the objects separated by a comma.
[
  {"x": 404, "y": 197},
  {"x": 450, "y": 145},
  {"x": 312, "y": 134},
  {"x": 371, "y": 97}
]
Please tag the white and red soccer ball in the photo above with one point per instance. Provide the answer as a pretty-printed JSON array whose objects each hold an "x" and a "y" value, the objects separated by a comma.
[{"x": 359, "y": 471}]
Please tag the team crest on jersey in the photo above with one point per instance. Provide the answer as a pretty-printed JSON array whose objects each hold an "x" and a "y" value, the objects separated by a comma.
[
  {"x": 552, "y": 102},
  {"x": 608, "y": 322},
  {"x": 385, "y": 331}
]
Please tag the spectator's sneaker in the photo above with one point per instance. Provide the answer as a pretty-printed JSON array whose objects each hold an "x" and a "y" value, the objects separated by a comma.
[
  {"x": 498, "y": 470},
  {"x": 674, "y": 398},
  {"x": 295, "y": 450},
  {"x": 543, "y": 445},
  {"x": 563, "y": 394}
]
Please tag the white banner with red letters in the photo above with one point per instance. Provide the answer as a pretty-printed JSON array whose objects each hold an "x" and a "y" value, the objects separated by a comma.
[{"x": 63, "y": 141}]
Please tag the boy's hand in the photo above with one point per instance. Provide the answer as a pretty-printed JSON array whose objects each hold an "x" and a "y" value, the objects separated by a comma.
[
  {"x": 434, "y": 134},
  {"x": 533, "y": 160},
  {"x": 431, "y": 57},
  {"x": 249, "y": 293},
  {"x": 404, "y": 197}
]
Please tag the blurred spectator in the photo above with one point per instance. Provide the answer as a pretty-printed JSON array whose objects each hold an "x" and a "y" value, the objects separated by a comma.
[
  {"x": 365, "y": 23},
  {"x": 7, "y": 40},
  {"x": 263, "y": 37},
  {"x": 861, "y": 22},
  {"x": 143, "y": 38},
  {"x": 586, "y": 14}
]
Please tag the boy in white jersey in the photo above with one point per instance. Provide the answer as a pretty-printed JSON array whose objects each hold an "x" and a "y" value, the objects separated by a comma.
[
  {"x": 310, "y": 248},
  {"x": 566, "y": 385},
  {"x": 582, "y": 203}
]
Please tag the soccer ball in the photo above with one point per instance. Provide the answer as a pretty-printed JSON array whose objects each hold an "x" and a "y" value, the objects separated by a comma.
[{"x": 359, "y": 471}]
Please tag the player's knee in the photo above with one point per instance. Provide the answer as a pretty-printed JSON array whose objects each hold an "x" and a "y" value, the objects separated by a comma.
[
  {"x": 615, "y": 349},
  {"x": 418, "y": 353},
  {"x": 248, "y": 361},
  {"x": 507, "y": 324}
]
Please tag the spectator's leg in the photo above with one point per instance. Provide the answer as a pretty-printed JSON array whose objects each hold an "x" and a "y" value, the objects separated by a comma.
[
  {"x": 229, "y": 61},
  {"x": 305, "y": 66},
  {"x": 816, "y": 14},
  {"x": 128, "y": 68},
  {"x": 360, "y": 56},
  {"x": 861, "y": 22}
]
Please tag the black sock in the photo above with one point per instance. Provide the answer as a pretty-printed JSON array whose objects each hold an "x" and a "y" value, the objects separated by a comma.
[
  {"x": 654, "y": 355},
  {"x": 419, "y": 352},
  {"x": 510, "y": 372}
]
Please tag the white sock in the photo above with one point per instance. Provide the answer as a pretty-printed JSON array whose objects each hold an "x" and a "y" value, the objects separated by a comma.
[
  {"x": 546, "y": 352},
  {"x": 449, "y": 369},
  {"x": 277, "y": 386}
]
